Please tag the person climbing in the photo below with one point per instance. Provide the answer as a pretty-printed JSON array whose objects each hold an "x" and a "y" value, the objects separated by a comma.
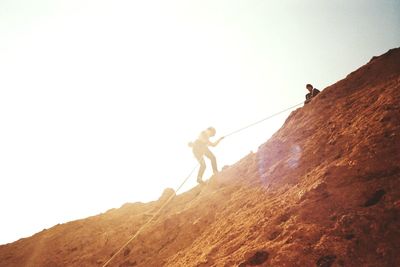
[
  {"x": 200, "y": 149},
  {"x": 312, "y": 93}
]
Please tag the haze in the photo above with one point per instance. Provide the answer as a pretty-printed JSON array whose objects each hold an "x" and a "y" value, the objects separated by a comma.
[{"x": 98, "y": 99}]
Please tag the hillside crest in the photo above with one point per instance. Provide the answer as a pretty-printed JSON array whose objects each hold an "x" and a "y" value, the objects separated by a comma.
[{"x": 320, "y": 192}]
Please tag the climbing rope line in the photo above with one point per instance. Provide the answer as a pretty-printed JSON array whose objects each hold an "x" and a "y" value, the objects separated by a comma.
[
  {"x": 235, "y": 132},
  {"x": 151, "y": 219},
  {"x": 186, "y": 179},
  {"x": 262, "y": 120},
  {"x": 204, "y": 188}
]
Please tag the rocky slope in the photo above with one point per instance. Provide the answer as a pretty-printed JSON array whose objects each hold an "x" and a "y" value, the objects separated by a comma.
[{"x": 321, "y": 192}]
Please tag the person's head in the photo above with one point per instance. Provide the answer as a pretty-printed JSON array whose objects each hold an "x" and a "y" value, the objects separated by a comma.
[
  {"x": 309, "y": 87},
  {"x": 211, "y": 131}
]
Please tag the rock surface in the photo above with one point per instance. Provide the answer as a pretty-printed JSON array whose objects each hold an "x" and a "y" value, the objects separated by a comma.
[{"x": 323, "y": 191}]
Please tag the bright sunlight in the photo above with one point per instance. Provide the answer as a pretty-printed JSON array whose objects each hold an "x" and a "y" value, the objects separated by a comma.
[{"x": 100, "y": 98}]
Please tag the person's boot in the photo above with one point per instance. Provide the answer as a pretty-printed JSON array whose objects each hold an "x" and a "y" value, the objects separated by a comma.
[{"x": 200, "y": 181}]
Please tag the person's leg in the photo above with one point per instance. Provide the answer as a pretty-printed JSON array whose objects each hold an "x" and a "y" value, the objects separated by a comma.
[
  {"x": 213, "y": 160},
  {"x": 198, "y": 152},
  {"x": 201, "y": 170}
]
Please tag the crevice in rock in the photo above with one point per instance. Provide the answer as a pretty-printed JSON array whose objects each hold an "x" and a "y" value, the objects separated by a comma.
[{"x": 375, "y": 198}]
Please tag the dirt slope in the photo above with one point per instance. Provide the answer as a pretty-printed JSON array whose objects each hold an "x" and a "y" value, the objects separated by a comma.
[{"x": 320, "y": 192}]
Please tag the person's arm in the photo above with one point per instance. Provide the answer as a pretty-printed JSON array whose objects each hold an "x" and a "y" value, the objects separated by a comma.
[
  {"x": 216, "y": 142},
  {"x": 308, "y": 98}
]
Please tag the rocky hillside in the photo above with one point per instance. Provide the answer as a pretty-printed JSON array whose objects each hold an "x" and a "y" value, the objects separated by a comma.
[{"x": 321, "y": 192}]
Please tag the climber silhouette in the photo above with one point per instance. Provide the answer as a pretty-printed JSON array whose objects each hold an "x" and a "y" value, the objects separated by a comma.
[
  {"x": 312, "y": 93},
  {"x": 200, "y": 149}
]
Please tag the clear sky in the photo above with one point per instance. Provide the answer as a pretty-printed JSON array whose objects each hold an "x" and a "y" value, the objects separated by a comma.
[{"x": 98, "y": 99}]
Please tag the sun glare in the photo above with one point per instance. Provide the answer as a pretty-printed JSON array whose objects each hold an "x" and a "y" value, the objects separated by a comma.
[{"x": 99, "y": 99}]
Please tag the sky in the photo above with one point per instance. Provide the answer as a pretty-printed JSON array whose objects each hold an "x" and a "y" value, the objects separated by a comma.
[{"x": 98, "y": 99}]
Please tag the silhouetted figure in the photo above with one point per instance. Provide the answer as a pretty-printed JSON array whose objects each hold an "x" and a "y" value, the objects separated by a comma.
[
  {"x": 200, "y": 149},
  {"x": 312, "y": 93}
]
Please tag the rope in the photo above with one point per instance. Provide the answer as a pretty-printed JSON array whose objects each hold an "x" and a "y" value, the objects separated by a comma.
[
  {"x": 150, "y": 220},
  {"x": 186, "y": 179},
  {"x": 262, "y": 120}
]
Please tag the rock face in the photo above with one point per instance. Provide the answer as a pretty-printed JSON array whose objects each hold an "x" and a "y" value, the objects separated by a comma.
[{"x": 321, "y": 192}]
